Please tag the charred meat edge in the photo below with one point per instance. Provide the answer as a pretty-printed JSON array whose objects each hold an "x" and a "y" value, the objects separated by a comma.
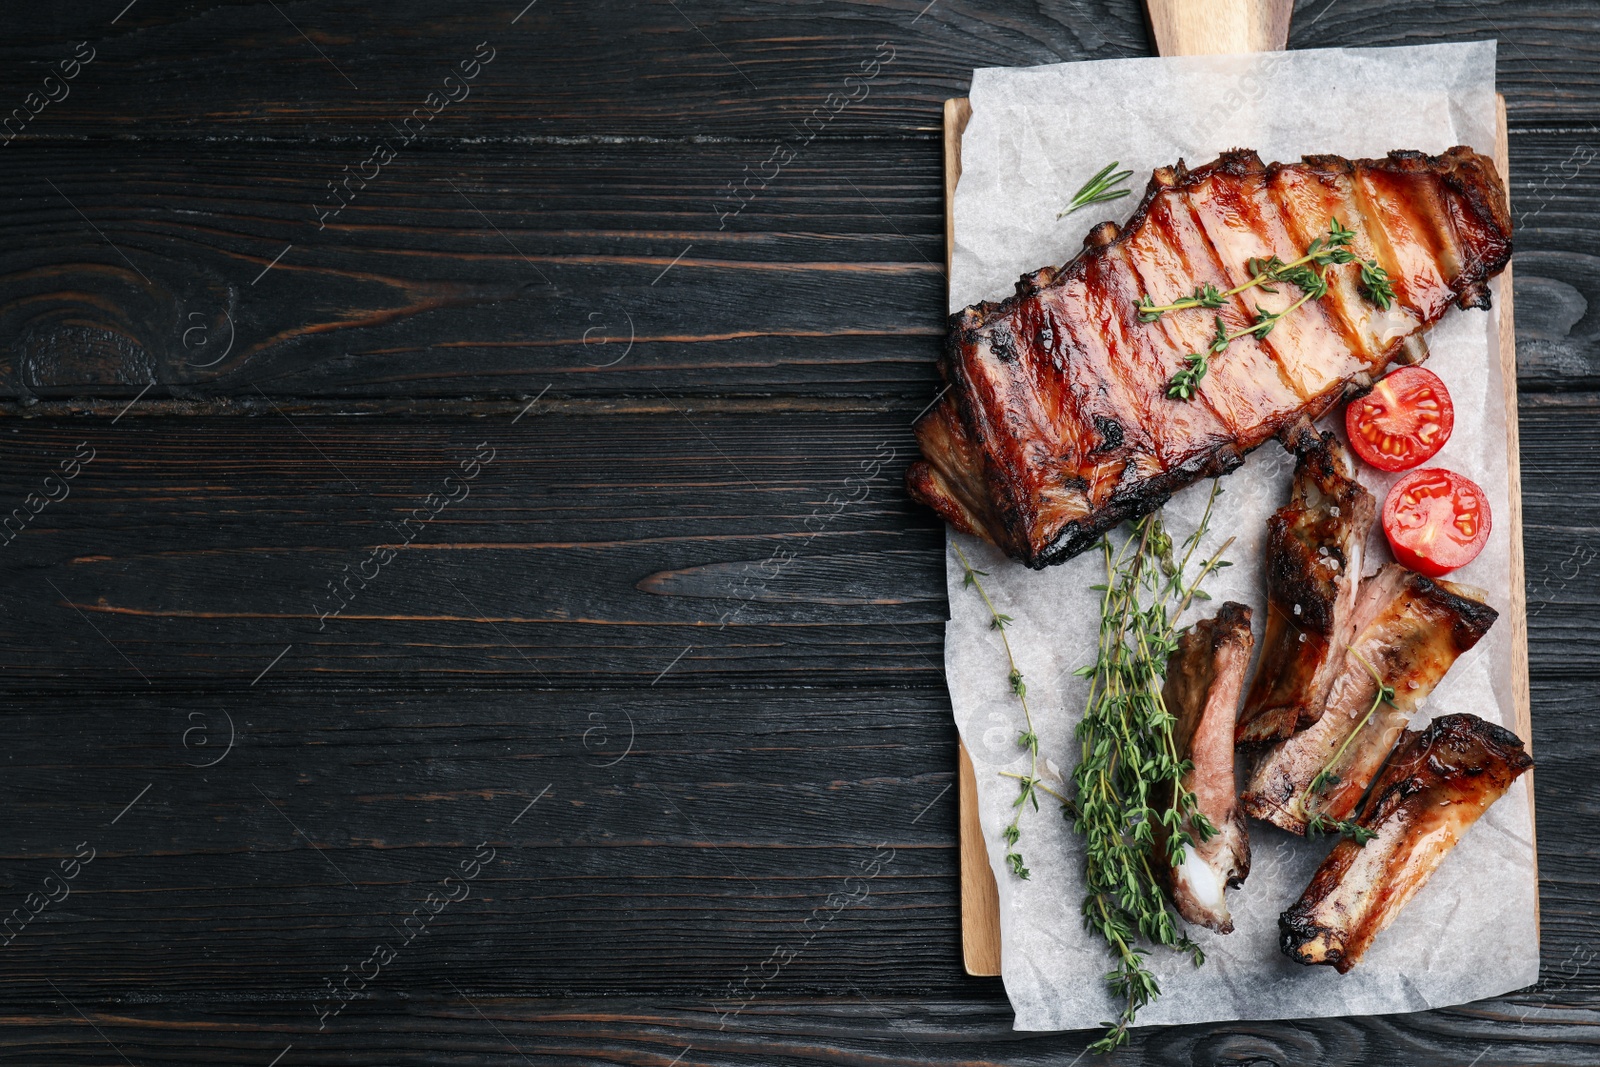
[
  {"x": 960, "y": 477},
  {"x": 1205, "y": 675},
  {"x": 1433, "y": 788},
  {"x": 1412, "y": 630},
  {"x": 1314, "y": 549}
]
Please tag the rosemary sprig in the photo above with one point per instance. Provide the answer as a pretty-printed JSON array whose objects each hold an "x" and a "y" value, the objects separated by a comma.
[
  {"x": 1099, "y": 189},
  {"x": 1266, "y": 320},
  {"x": 1129, "y": 763},
  {"x": 1028, "y": 739}
]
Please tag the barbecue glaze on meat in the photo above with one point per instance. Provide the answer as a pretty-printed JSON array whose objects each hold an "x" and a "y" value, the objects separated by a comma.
[
  {"x": 1434, "y": 786},
  {"x": 1410, "y": 630},
  {"x": 1205, "y": 675},
  {"x": 1056, "y": 425},
  {"x": 1314, "y": 547}
]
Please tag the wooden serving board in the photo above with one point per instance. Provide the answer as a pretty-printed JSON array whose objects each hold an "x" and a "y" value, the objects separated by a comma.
[{"x": 980, "y": 898}]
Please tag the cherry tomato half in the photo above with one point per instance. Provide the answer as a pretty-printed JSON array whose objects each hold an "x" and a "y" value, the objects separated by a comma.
[
  {"x": 1403, "y": 422},
  {"x": 1436, "y": 520}
]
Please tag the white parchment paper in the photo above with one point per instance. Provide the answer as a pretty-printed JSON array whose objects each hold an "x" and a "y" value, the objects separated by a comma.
[{"x": 1035, "y": 136}]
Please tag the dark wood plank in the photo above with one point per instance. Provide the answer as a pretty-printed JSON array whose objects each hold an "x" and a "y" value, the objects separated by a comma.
[
  {"x": 567, "y": 69},
  {"x": 563, "y": 70},
  {"x": 676, "y": 836},
  {"x": 495, "y": 273},
  {"x": 1558, "y": 336},
  {"x": 470, "y": 1027},
  {"x": 683, "y": 837},
  {"x": 620, "y": 550},
  {"x": 498, "y": 271}
]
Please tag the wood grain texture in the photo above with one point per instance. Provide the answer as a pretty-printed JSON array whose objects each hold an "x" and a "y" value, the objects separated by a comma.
[
  {"x": 480, "y": 1030},
  {"x": 957, "y": 112},
  {"x": 601, "y": 271},
  {"x": 571, "y": 71},
  {"x": 630, "y": 550},
  {"x": 478, "y": 268},
  {"x": 673, "y": 872},
  {"x": 827, "y": 284},
  {"x": 1219, "y": 27},
  {"x": 625, "y": 516},
  {"x": 1508, "y": 378},
  {"x": 1521, "y": 693},
  {"x": 661, "y": 855},
  {"x": 980, "y": 896}
]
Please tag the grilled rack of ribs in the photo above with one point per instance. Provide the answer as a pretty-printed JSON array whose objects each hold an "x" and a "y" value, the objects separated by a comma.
[
  {"x": 1433, "y": 788},
  {"x": 1205, "y": 675},
  {"x": 1409, "y": 631},
  {"x": 1314, "y": 547},
  {"x": 1055, "y": 425}
]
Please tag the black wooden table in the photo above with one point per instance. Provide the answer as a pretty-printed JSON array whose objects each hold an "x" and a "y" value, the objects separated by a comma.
[{"x": 411, "y": 415}]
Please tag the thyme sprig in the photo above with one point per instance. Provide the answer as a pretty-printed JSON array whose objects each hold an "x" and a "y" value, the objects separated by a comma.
[
  {"x": 1264, "y": 272},
  {"x": 1375, "y": 284},
  {"x": 1308, "y": 273},
  {"x": 1029, "y": 783},
  {"x": 1099, "y": 189},
  {"x": 1036, "y": 785},
  {"x": 1321, "y": 824},
  {"x": 1325, "y": 777},
  {"x": 1186, "y": 382},
  {"x": 1130, "y": 765}
]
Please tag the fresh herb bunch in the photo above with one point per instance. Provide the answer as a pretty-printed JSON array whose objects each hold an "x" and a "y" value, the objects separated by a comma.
[
  {"x": 1099, "y": 189},
  {"x": 1130, "y": 764},
  {"x": 1028, "y": 738},
  {"x": 1329, "y": 250}
]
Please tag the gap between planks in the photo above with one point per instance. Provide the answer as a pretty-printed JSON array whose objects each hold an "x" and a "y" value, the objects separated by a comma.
[{"x": 487, "y": 407}]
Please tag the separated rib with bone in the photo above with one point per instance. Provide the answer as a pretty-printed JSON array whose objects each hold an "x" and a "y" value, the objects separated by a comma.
[{"x": 1433, "y": 788}]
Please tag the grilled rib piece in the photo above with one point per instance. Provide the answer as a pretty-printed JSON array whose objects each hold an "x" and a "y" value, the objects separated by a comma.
[
  {"x": 1056, "y": 425},
  {"x": 1314, "y": 546},
  {"x": 1205, "y": 675},
  {"x": 1435, "y": 785},
  {"x": 1410, "y": 630}
]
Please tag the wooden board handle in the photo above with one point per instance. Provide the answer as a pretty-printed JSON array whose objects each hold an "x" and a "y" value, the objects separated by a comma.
[{"x": 1219, "y": 27}]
